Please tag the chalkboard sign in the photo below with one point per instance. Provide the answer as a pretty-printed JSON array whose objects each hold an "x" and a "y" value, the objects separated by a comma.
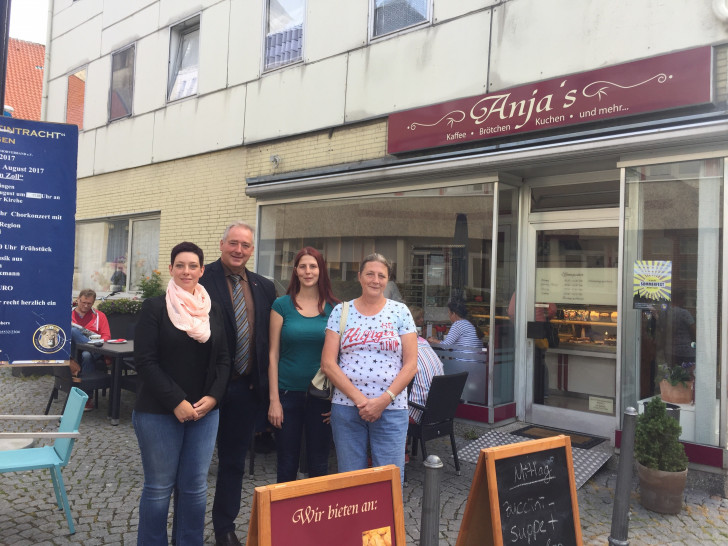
[
  {"x": 361, "y": 507},
  {"x": 523, "y": 493}
]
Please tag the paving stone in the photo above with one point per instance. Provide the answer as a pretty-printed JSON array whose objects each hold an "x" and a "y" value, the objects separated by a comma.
[{"x": 104, "y": 481}]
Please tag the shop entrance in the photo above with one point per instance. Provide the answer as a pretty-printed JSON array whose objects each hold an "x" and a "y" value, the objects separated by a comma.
[{"x": 571, "y": 330}]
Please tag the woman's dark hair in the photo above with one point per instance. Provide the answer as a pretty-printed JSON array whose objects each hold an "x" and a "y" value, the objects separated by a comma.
[
  {"x": 187, "y": 247},
  {"x": 376, "y": 257},
  {"x": 326, "y": 295},
  {"x": 459, "y": 308}
]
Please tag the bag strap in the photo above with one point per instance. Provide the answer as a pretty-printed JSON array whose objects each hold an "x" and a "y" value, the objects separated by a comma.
[{"x": 344, "y": 316}]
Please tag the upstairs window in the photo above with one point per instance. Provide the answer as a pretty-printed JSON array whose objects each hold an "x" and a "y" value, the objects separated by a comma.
[
  {"x": 393, "y": 15},
  {"x": 184, "y": 59},
  {"x": 122, "y": 83},
  {"x": 75, "y": 96},
  {"x": 284, "y": 32}
]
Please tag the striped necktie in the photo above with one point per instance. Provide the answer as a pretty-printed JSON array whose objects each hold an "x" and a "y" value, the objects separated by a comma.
[{"x": 243, "y": 329}]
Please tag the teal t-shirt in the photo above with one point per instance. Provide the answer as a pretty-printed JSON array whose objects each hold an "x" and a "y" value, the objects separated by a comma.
[{"x": 302, "y": 340}]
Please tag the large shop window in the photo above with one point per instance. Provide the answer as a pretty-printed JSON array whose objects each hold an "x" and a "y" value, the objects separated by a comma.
[
  {"x": 284, "y": 32},
  {"x": 393, "y": 15},
  {"x": 673, "y": 258},
  {"x": 113, "y": 255},
  {"x": 440, "y": 242}
]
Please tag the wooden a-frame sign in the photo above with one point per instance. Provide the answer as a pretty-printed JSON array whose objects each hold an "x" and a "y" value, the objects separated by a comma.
[
  {"x": 345, "y": 508},
  {"x": 523, "y": 493}
]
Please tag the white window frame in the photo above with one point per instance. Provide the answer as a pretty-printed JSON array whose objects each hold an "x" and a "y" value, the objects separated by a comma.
[
  {"x": 133, "y": 77},
  {"x": 298, "y": 60},
  {"x": 104, "y": 267},
  {"x": 177, "y": 33},
  {"x": 372, "y": 13}
]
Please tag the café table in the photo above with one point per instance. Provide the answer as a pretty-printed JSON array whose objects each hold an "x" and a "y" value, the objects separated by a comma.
[{"x": 117, "y": 352}]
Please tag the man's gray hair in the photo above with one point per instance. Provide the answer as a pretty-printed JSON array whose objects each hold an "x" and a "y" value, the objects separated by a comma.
[{"x": 238, "y": 223}]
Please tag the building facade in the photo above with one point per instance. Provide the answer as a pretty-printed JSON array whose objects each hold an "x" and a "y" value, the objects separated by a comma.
[{"x": 559, "y": 166}]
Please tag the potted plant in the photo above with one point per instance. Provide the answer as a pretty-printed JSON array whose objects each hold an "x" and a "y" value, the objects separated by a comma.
[
  {"x": 662, "y": 465},
  {"x": 122, "y": 314},
  {"x": 677, "y": 382}
]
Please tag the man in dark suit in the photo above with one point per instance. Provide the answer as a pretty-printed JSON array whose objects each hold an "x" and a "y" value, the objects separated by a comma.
[{"x": 246, "y": 299}]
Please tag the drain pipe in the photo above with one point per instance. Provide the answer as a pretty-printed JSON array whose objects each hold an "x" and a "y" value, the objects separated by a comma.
[
  {"x": 620, "y": 512},
  {"x": 430, "y": 520}
]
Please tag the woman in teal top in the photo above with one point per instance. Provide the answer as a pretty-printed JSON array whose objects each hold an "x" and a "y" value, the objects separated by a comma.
[{"x": 296, "y": 336}]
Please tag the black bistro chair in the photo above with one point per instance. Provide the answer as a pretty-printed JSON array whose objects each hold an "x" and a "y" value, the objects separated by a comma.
[
  {"x": 438, "y": 413},
  {"x": 90, "y": 383}
]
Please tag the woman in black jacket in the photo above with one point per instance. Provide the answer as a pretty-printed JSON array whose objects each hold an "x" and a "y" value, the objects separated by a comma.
[{"x": 180, "y": 352}]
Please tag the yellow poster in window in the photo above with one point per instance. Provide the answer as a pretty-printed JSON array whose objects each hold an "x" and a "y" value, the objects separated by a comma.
[{"x": 652, "y": 283}]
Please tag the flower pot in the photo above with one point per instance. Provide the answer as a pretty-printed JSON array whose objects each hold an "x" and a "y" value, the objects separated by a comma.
[
  {"x": 661, "y": 491},
  {"x": 677, "y": 394}
]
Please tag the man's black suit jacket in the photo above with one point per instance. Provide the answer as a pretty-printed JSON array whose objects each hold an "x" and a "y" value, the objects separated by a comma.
[{"x": 264, "y": 294}]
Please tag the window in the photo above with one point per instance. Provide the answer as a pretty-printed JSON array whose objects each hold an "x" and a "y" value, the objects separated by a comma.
[
  {"x": 440, "y": 244},
  {"x": 184, "y": 59},
  {"x": 674, "y": 234},
  {"x": 75, "y": 95},
  {"x": 284, "y": 32},
  {"x": 122, "y": 83},
  {"x": 114, "y": 254},
  {"x": 393, "y": 15}
]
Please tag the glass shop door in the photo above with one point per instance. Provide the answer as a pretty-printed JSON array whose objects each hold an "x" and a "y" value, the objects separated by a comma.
[{"x": 571, "y": 330}]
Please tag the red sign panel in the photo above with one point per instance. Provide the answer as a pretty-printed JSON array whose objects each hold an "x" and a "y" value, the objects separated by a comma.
[
  {"x": 650, "y": 85},
  {"x": 362, "y": 514}
]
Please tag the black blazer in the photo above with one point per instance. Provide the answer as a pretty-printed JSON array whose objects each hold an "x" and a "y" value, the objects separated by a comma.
[
  {"x": 264, "y": 293},
  {"x": 163, "y": 359}
]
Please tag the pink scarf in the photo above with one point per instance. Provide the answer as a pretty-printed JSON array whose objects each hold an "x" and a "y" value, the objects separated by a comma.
[{"x": 189, "y": 312}]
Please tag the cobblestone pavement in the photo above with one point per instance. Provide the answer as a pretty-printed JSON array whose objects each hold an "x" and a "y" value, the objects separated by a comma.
[{"x": 104, "y": 481}]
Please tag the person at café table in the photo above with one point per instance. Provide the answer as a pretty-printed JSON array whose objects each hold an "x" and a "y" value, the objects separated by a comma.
[
  {"x": 370, "y": 367},
  {"x": 85, "y": 322},
  {"x": 462, "y": 332},
  {"x": 181, "y": 356}
]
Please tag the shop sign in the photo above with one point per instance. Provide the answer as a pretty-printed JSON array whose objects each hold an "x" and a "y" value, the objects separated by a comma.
[
  {"x": 37, "y": 232},
  {"x": 660, "y": 83},
  {"x": 360, "y": 507},
  {"x": 652, "y": 283}
]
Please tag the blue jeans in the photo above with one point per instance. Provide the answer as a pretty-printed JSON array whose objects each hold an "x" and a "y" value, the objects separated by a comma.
[
  {"x": 301, "y": 412},
  {"x": 238, "y": 410},
  {"x": 177, "y": 455},
  {"x": 386, "y": 438},
  {"x": 88, "y": 360}
]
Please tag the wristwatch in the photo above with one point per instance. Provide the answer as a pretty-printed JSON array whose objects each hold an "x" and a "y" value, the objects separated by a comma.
[{"x": 391, "y": 395}]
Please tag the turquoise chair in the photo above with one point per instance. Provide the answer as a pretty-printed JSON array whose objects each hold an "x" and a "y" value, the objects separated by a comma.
[{"x": 51, "y": 457}]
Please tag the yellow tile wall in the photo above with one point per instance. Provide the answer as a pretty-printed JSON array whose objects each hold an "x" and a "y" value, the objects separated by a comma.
[{"x": 321, "y": 149}]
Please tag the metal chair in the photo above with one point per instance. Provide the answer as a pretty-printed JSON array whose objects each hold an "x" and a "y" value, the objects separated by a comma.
[
  {"x": 52, "y": 457},
  {"x": 89, "y": 382},
  {"x": 438, "y": 413}
]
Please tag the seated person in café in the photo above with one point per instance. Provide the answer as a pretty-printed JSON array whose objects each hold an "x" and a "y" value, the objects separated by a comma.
[
  {"x": 462, "y": 332},
  {"x": 87, "y": 321},
  {"x": 428, "y": 366}
]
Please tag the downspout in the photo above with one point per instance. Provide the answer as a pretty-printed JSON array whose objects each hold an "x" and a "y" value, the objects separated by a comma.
[{"x": 46, "y": 63}]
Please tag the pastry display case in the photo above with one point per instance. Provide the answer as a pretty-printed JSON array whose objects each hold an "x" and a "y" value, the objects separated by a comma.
[{"x": 591, "y": 328}]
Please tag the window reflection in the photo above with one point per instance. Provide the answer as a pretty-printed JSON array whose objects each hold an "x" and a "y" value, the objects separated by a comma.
[{"x": 439, "y": 241}]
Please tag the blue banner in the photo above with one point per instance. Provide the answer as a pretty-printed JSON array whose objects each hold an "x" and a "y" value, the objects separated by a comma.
[{"x": 37, "y": 239}]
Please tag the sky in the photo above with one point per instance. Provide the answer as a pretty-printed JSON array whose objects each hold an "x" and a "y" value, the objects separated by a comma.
[{"x": 28, "y": 19}]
